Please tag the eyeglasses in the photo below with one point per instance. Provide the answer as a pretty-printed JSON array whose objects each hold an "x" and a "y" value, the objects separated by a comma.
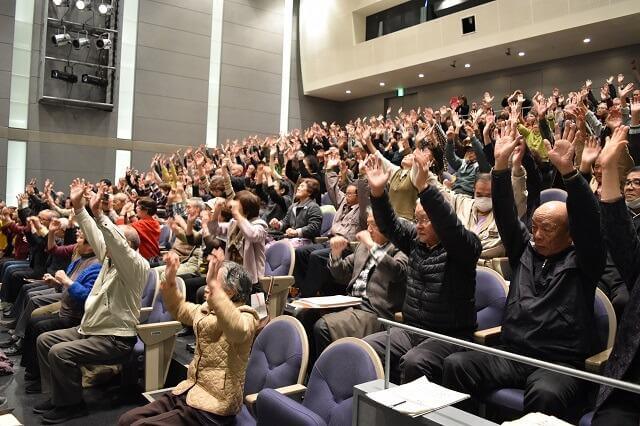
[
  {"x": 633, "y": 182},
  {"x": 423, "y": 221}
]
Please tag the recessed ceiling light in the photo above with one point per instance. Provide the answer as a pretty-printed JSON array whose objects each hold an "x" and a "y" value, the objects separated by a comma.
[
  {"x": 467, "y": 65},
  {"x": 382, "y": 84},
  {"x": 348, "y": 92},
  {"x": 586, "y": 40},
  {"x": 421, "y": 75},
  {"x": 521, "y": 53}
]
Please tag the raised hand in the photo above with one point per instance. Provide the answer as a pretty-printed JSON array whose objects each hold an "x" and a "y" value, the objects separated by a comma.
[
  {"x": 561, "y": 155},
  {"x": 377, "y": 177},
  {"x": 587, "y": 84},
  {"x": 338, "y": 244},
  {"x": 77, "y": 191},
  {"x": 590, "y": 153},
  {"x": 487, "y": 97},
  {"x": 423, "y": 159},
  {"x": 505, "y": 145},
  {"x": 624, "y": 91},
  {"x": 172, "y": 262},
  {"x": 95, "y": 202},
  {"x": 216, "y": 259},
  {"x": 612, "y": 150},
  {"x": 635, "y": 111},
  {"x": 518, "y": 153},
  {"x": 620, "y": 78}
]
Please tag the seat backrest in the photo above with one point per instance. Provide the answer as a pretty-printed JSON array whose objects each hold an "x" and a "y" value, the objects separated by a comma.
[
  {"x": 279, "y": 259},
  {"x": 605, "y": 322},
  {"x": 159, "y": 313},
  {"x": 491, "y": 297},
  {"x": 345, "y": 363},
  {"x": 553, "y": 194},
  {"x": 279, "y": 356},
  {"x": 150, "y": 290},
  {"x": 327, "y": 219},
  {"x": 166, "y": 237},
  {"x": 325, "y": 200}
]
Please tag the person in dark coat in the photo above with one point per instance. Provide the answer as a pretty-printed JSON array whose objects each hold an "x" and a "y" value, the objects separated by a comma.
[
  {"x": 440, "y": 294},
  {"x": 615, "y": 406},
  {"x": 549, "y": 312}
]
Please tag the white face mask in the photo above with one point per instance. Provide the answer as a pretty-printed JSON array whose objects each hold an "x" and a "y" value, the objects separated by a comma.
[
  {"x": 633, "y": 204},
  {"x": 483, "y": 204}
]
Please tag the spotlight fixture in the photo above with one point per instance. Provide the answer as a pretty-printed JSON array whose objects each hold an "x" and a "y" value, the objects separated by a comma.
[
  {"x": 94, "y": 80},
  {"x": 521, "y": 53},
  {"x": 467, "y": 65},
  {"x": 452, "y": 64},
  {"x": 83, "y": 4},
  {"x": 60, "y": 3},
  {"x": 382, "y": 84},
  {"x": 420, "y": 75},
  {"x": 69, "y": 77},
  {"x": 103, "y": 43},
  {"x": 81, "y": 41},
  {"x": 348, "y": 92},
  {"x": 586, "y": 40},
  {"x": 61, "y": 39},
  {"x": 105, "y": 8}
]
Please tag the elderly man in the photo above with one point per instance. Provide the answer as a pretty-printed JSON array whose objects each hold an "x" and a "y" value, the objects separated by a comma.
[
  {"x": 440, "y": 279},
  {"x": 376, "y": 272},
  {"x": 107, "y": 331},
  {"x": 311, "y": 272},
  {"x": 549, "y": 312}
]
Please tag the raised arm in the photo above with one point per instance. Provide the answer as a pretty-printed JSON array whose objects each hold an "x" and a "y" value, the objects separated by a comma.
[
  {"x": 622, "y": 240},
  {"x": 401, "y": 234},
  {"x": 513, "y": 233}
]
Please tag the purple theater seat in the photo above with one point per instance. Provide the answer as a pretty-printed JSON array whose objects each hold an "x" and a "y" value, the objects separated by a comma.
[
  {"x": 586, "y": 419},
  {"x": 278, "y": 259},
  {"x": 327, "y": 221},
  {"x": 490, "y": 296},
  {"x": 553, "y": 194},
  {"x": 605, "y": 325},
  {"x": 276, "y": 357},
  {"x": 329, "y": 395}
]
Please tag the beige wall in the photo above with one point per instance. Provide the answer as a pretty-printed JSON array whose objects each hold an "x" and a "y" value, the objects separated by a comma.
[{"x": 333, "y": 50}]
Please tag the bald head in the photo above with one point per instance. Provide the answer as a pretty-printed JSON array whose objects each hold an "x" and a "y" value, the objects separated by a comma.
[
  {"x": 131, "y": 235},
  {"x": 550, "y": 228}
]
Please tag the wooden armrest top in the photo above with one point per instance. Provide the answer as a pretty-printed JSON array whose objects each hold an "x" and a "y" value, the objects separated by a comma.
[
  {"x": 488, "y": 335},
  {"x": 291, "y": 390},
  {"x": 595, "y": 362},
  {"x": 398, "y": 317}
]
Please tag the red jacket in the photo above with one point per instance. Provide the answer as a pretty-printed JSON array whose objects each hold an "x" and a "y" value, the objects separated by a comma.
[{"x": 149, "y": 233}]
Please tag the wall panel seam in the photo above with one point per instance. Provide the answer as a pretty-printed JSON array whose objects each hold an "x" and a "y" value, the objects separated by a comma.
[
  {"x": 274, "y": 11},
  {"x": 277, "y": 114},
  {"x": 250, "y": 89},
  {"x": 164, "y": 120},
  {"x": 172, "y": 51},
  {"x": 252, "y": 48},
  {"x": 170, "y": 97},
  {"x": 251, "y": 68},
  {"x": 181, "y": 7},
  {"x": 182, "y": 30},
  {"x": 169, "y": 73},
  {"x": 249, "y": 26}
]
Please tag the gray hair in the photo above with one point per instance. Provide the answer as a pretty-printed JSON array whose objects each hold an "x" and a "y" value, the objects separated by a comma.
[
  {"x": 197, "y": 202},
  {"x": 236, "y": 278}
]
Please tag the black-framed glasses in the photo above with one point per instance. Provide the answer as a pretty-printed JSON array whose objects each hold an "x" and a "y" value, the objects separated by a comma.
[{"x": 633, "y": 182}]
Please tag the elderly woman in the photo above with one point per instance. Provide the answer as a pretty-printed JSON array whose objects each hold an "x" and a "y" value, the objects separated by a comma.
[{"x": 224, "y": 328}]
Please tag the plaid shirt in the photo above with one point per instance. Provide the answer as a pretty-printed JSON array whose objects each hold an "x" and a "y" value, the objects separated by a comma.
[{"x": 359, "y": 288}]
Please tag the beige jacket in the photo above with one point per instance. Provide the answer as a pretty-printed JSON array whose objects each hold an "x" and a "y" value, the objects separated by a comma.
[
  {"x": 464, "y": 206},
  {"x": 113, "y": 306},
  {"x": 224, "y": 335}
]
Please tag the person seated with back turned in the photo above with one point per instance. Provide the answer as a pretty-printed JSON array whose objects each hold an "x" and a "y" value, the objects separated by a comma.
[
  {"x": 311, "y": 271},
  {"x": 224, "y": 326},
  {"x": 376, "y": 272},
  {"x": 549, "y": 311},
  {"x": 107, "y": 331},
  {"x": 441, "y": 278}
]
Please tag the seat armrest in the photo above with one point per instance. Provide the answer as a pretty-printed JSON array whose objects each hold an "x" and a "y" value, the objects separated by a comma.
[
  {"x": 320, "y": 240},
  {"x": 398, "y": 317},
  {"x": 144, "y": 314},
  {"x": 293, "y": 391},
  {"x": 488, "y": 336},
  {"x": 595, "y": 363},
  {"x": 156, "y": 332}
]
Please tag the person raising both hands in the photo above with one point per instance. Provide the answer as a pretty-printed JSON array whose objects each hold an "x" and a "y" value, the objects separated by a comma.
[{"x": 224, "y": 326}]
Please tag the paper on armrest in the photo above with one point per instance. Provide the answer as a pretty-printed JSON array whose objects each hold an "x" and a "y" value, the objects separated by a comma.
[
  {"x": 418, "y": 397},
  {"x": 536, "y": 419},
  {"x": 327, "y": 302}
]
